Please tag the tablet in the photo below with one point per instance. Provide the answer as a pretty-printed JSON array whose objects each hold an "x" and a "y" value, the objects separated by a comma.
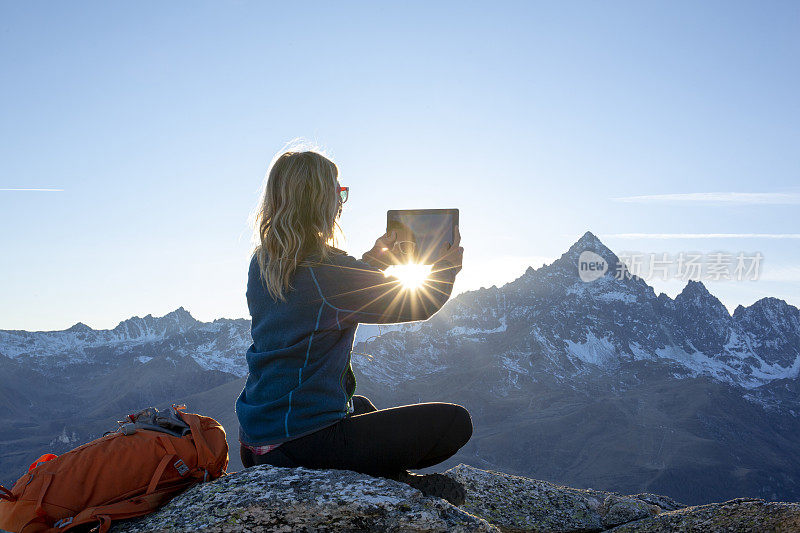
[{"x": 421, "y": 233}]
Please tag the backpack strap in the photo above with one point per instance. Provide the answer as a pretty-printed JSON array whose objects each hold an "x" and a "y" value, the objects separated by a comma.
[
  {"x": 159, "y": 472},
  {"x": 205, "y": 457},
  {"x": 104, "y": 514},
  {"x": 40, "y": 499},
  {"x": 40, "y": 520},
  {"x": 6, "y": 494}
]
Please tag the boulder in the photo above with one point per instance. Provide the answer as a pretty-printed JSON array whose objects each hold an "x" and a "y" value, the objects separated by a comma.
[
  {"x": 742, "y": 515},
  {"x": 271, "y": 499},
  {"x": 516, "y": 503}
]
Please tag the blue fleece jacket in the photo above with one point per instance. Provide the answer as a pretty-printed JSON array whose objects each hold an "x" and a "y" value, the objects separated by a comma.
[{"x": 300, "y": 379}]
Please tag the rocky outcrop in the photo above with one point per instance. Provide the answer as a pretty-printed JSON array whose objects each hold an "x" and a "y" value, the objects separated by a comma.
[
  {"x": 742, "y": 515},
  {"x": 269, "y": 499},
  {"x": 520, "y": 504}
]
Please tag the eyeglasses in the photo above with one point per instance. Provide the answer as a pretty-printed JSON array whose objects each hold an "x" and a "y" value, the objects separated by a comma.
[{"x": 344, "y": 193}]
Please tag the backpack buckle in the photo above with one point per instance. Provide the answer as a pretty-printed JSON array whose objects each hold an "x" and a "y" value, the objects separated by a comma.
[
  {"x": 63, "y": 522},
  {"x": 181, "y": 467}
]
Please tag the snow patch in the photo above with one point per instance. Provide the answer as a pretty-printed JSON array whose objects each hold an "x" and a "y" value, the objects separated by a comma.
[
  {"x": 466, "y": 331},
  {"x": 368, "y": 332},
  {"x": 64, "y": 438},
  {"x": 595, "y": 351},
  {"x": 512, "y": 365}
]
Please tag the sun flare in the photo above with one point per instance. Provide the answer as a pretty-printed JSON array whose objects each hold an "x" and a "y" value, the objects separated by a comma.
[{"x": 411, "y": 276}]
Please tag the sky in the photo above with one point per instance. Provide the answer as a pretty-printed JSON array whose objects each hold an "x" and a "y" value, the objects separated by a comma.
[{"x": 662, "y": 127}]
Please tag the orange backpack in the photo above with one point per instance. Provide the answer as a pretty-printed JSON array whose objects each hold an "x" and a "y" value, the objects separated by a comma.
[{"x": 130, "y": 472}]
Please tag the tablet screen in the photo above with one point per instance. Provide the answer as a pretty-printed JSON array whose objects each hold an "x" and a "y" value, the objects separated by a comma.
[{"x": 421, "y": 233}]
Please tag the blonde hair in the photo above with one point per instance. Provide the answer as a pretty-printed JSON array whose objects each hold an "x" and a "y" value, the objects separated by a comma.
[{"x": 297, "y": 216}]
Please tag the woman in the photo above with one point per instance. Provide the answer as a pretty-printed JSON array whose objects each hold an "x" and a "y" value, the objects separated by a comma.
[{"x": 306, "y": 298}]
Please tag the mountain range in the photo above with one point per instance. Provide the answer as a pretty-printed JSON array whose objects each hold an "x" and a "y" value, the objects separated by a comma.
[{"x": 602, "y": 383}]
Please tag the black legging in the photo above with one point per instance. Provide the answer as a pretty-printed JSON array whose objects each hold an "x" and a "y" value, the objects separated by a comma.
[{"x": 379, "y": 443}]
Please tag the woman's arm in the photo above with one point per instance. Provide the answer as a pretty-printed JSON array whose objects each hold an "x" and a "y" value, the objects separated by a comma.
[{"x": 363, "y": 293}]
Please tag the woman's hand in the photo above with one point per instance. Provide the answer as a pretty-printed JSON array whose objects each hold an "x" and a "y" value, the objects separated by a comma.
[
  {"x": 380, "y": 255},
  {"x": 453, "y": 253},
  {"x": 385, "y": 242}
]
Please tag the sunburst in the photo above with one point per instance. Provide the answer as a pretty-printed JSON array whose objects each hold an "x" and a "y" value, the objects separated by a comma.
[{"x": 411, "y": 276}]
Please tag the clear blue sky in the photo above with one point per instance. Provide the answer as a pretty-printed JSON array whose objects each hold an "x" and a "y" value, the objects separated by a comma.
[{"x": 158, "y": 121}]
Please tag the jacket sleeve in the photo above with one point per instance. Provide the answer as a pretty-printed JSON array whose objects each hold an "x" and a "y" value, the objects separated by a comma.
[{"x": 362, "y": 293}]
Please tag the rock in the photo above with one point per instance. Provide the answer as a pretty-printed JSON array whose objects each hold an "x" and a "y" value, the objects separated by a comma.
[
  {"x": 665, "y": 503},
  {"x": 520, "y": 504},
  {"x": 271, "y": 499},
  {"x": 742, "y": 515},
  {"x": 618, "y": 510}
]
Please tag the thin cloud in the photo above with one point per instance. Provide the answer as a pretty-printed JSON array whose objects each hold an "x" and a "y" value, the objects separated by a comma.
[
  {"x": 34, "y": 190},
  {"x": 722, "y": 198},
  {"x": 780, "y": 273},
  {"x": 703, "y": 235}
]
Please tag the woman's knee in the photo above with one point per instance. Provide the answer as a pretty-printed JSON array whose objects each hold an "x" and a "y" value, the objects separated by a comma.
[
  {"x": 452, "y": 421},
  {"x": 455, "y": 431},
  {"x": 461, "y": 426}
]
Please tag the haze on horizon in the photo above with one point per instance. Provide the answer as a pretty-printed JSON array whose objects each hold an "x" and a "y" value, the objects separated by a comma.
[{"x": 135, "y": 139}]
